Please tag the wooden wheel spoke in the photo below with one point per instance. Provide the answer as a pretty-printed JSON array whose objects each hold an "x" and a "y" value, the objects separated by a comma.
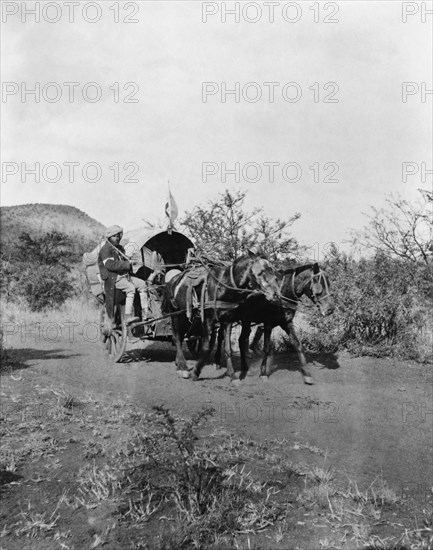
[{"x": 114, "y": 339}]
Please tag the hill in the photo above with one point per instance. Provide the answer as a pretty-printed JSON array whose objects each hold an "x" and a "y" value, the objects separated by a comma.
[{"x": 38, "y": 219}]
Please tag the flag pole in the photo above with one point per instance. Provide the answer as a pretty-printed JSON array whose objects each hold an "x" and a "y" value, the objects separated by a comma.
[{"x": 170, "y": 223}]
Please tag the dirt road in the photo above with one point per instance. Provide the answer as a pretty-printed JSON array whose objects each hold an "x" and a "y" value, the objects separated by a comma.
[{"x": 371, "y": 416}]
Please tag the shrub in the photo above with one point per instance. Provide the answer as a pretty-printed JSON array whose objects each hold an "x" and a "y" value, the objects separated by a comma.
[
  {"x": 45, "y": 286},
  {"x": 381, "y": 308},
  {"x": 39, "y": 270},
  {"x": 164, "y": 463}
]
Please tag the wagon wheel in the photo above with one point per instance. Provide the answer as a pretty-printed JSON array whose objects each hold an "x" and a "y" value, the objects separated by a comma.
[
  {"x": 194, "y": 344},
  {"x": 114, "y": 338}
]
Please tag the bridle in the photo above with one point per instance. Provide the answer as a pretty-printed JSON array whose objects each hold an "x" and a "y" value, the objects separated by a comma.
[
  {"x": 316, "y": 286},
  {"x": 317, "y": 281}
]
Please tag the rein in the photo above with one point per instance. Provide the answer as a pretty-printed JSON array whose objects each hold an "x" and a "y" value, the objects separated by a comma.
[{"x": 220, "y": 282}]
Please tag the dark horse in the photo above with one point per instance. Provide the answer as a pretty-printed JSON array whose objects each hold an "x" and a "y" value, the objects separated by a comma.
[
  {"x": 200, "y": 298},
  {"x": 307, "y": 280}
]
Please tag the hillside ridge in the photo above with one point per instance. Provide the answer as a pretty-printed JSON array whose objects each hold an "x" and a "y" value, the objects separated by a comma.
[{"x": 40, "y": 218}]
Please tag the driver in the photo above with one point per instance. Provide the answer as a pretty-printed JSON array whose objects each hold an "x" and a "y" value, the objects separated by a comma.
[{"x": 115, "y": 271}]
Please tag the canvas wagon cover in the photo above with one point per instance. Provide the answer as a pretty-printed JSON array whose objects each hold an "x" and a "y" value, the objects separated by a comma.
[{"x": 140, "y": 243}]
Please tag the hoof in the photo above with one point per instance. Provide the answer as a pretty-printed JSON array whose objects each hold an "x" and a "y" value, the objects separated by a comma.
[
  {"x": 308, "y": 380},
  {"x": 183, "y": 373},
  {"x": 264, "y": 378},
  {"x": 236, "y": 382},
  {"x": 194, "y": 377}
]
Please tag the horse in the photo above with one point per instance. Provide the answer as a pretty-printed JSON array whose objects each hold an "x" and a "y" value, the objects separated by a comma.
[
  {"x": 201, "y": 297},
  {"x": 307, "y": 280}
]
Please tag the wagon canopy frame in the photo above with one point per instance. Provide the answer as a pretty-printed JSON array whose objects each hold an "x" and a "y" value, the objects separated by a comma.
[{"x": 171, "y": 246}]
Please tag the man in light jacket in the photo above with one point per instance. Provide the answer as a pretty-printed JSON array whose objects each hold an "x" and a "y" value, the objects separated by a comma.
[{"x": 115, "y": 271}]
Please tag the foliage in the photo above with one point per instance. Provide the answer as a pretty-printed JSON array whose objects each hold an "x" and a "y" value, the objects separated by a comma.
[
  {"x": 39, "y": 270},
  {"x": 383, "y": 302},
  {"x": 382, "y": 307},
  {"x": 52, "y": 249},
  {"x": 223, "y": 229},
  {"x": 46, "y": 286}
]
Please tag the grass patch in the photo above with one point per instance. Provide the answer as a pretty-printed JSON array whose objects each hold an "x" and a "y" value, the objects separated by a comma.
[
  {"x": 78, "y": 309},
  {"x": 164, "y": 465},
  {"x": 96, "y": 484}
]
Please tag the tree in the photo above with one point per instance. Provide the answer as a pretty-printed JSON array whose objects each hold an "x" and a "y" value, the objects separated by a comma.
[
  {"x": 401, "y": 229},
  {"x": 222, "y": 229}
]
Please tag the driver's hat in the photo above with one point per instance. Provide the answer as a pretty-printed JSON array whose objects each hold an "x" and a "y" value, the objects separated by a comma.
[{"x": 113, "y": 230}]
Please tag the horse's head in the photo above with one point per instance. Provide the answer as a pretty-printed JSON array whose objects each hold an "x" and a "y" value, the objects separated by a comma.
[
  {"x": 316, "y": 288},
  {"x": 256, "y": 273}
]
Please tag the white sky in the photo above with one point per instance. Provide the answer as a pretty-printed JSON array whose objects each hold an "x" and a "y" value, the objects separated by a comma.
[{"x": 170, "y": 132}]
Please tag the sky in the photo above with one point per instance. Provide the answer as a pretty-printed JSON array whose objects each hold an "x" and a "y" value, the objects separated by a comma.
[{"x": 332, "y": 112}]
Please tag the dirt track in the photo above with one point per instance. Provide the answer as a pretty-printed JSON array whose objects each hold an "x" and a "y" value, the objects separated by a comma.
[{"x": 371, "y": 416}]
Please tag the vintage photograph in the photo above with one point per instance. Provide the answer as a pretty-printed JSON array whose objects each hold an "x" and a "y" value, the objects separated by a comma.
[{"x": 216, "y": 287}]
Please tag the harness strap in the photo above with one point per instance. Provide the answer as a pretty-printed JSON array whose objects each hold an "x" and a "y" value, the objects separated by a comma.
[
  {"x": 293, "y": 286},
  {"x": 215, "y": 300},
  {"x": 219, "y": 281},
  {"x": 189, "y": 301},
  {"x": 203, "y": 300},
  {"x": 232, "y": 278},
  {"x": 220, "y": 305}
]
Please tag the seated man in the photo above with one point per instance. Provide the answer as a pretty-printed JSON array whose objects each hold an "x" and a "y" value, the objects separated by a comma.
[{"x": 115, "y": 271}]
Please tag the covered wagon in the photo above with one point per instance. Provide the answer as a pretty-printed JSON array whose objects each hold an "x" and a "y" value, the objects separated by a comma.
[{"x": 155, "y": 254}]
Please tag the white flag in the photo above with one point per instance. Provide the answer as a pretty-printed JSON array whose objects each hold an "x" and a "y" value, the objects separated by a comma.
[{"x": 171, "y": 210}]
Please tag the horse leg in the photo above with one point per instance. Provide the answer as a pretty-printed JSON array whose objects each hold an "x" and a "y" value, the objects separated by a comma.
[
  {"x": 264, "y": 370},
  {"x": 206, "y": 349},
  {"x": 290, "y": 329},
  {"x": 219, "y": 347},
  {"x": 227, "y": 332},
  {"x": 178, "y": 335},
  {"x": 244, "y": 339},
  {"x": 255, "y": 344},
  {"x": 212, "y": 340}
]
